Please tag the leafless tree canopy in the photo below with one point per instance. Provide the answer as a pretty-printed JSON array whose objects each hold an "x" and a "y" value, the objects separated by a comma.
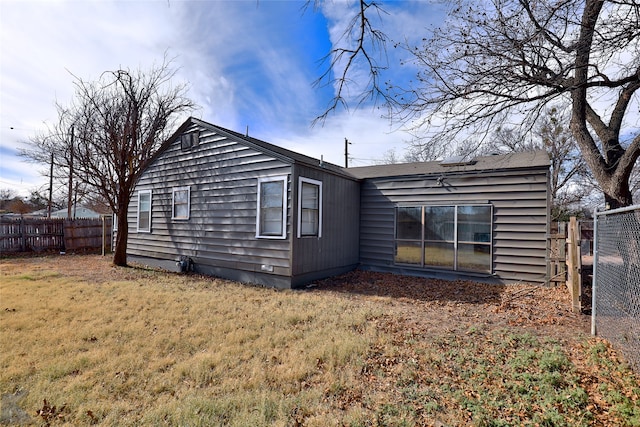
[
  {"x": 502, "y": 62},
  {"x": 361, "y": 43},
  {"x": 110, "y": 132},
  {"x": 569, "y": 176},
  {"x": 506, "y": 60}
]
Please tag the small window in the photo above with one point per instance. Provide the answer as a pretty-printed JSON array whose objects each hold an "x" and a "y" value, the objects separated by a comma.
[
  {"x": 181, "y": 204},
  {"x": 272, "y": 208},
  {"x": 309, "y": 208},
  {"x": 189, "y": 140},
  {"x": 144, "y": 211}
]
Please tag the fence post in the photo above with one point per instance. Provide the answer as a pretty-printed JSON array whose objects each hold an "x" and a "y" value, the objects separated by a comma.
[
  {"x": 104, "y": 237},
  {"x": 22, "y": 229},
  {"x": 573, "y": 265},
  {"x": 594, "y": 279}
]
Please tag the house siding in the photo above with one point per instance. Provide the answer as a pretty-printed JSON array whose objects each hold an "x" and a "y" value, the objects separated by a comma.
[
  {"x": 220, "y": 234},
  {"x": 224, "y": 169},
  {"x": 338, "y": 247},
  {"x": 520, "y": 216}
]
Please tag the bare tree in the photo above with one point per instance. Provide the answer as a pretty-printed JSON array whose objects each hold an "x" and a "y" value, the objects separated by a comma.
[
  {"x": 54, "y": 148},
  {"x": 118, "y": 122},
  {"x": 361, "y": 43},
  {"x": 504, "y": 61},
  {"x": 509, "y": 59},
  {"x": 568, "y": 169}
]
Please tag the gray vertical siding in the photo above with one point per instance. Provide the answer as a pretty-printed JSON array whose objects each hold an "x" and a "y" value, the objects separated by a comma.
[
  {"x": 520, "y": 216},
  {"x": 337, "y": 248},
  {"x": 220, "y": 235}
]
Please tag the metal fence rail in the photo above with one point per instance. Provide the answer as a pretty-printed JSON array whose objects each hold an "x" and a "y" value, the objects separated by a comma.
[{"x": 616, "y": 280}]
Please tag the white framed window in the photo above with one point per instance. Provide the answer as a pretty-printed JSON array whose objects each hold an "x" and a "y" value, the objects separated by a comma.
[
  {"x": 309, "y": 208},
  {"x": 144, "y": 211},
  {"x": 271, "y": 221},
  {"x": 181, "y": 203}
]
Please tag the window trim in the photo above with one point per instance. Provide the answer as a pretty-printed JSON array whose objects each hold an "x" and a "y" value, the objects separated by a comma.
[
  {"x": 302, "y": 180},
  {"x": 173, "y": 203},
  {"x": 284, "y": 180},
  {"x": 140, "y": 193}
]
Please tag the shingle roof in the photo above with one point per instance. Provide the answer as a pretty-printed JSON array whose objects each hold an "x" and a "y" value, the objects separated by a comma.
[
  {"x": 487, "y": 163},
  {"x": 525, "y": 160},
  {"x": 283, "y": 152}
]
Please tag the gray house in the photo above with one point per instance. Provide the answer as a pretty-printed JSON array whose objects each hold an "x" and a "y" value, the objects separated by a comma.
[
  {"x": 244, "y": 209},
  {"x": 485, "y": 218},
  {"x": 225, "y": 204}
]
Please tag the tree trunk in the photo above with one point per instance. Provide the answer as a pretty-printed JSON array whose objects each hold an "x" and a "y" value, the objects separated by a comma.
[
  {"x": 621, "y": 198},
  {"x": 120, "y": 251}
]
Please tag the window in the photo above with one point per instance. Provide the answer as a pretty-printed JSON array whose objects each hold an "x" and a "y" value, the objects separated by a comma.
[
  {"x": 439, "y": 236},
  {"x": 144, "y": 211},
  {"x": 309, "y": 208},
  {"x": 451, "y": 237},
  {"x": 189, "y": 140},
  {"x": 409, "y": 235},
  {"x": 474, "y": 238},
  {"x": 272, "y": 208},
  {"x": 181, "y": 203}
]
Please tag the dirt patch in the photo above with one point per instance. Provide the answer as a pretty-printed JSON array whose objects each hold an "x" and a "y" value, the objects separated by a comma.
[{"x": 441, "y": 305}]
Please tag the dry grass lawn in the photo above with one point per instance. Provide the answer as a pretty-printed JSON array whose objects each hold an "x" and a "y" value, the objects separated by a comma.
[{"x": 86, "y": 343}]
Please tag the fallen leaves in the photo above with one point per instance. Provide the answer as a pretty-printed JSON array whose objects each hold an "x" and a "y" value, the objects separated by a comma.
[{"x": 50, "y": 413}]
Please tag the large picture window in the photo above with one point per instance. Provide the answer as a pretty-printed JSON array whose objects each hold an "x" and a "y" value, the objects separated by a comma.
[
  {"x": 450, "y": 237},
  {"x": 144, "y": 211},
  {"x": 309, "y": 208},
  {"x": 272, "y": 208},
  {"x": 181, "y": 203}
]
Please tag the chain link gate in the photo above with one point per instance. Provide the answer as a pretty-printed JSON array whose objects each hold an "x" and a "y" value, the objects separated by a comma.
[{"x": 616, "y": 280}]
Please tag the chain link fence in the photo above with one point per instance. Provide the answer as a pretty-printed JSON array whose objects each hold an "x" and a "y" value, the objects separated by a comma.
[{"x": 616, "y": 280}]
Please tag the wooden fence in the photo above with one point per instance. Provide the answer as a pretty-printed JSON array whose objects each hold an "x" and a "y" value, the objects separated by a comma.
[
  {"x": 570, "y": 243},
  {"x": 55, "y": 234},
  {"x": 558, "y": 253}
]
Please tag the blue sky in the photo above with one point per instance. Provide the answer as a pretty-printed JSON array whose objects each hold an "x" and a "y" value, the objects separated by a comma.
[{"x": 248, "y": 63}]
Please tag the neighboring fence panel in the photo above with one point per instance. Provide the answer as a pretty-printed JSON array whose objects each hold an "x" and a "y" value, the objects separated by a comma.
[
  {"x": 31, "y": 234},
  {"x": 87, "y": 234},
  {"x": 54, "y": 234},
  {"x": 616, "y": 280},
  {"x": 574, "y": 265},
  {"x": 558, "y": 254}
]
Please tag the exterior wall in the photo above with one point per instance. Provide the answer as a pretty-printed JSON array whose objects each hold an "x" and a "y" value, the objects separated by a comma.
[
  {"x": 337, "y": 248},
  {"x": 520, "y": 217},
  {"x": 220, "y": 234}
]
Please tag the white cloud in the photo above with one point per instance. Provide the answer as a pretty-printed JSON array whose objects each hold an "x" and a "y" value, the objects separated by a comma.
[
  {"x": 369, "y": 136},
  {"x": 247, "y": 63}
]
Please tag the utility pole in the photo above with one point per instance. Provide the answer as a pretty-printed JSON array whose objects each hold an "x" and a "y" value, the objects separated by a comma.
[
  {"x": 50, "y": 185},
  {"x": 346, "y": 152},
  {"x": 70, "y": 196}
]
